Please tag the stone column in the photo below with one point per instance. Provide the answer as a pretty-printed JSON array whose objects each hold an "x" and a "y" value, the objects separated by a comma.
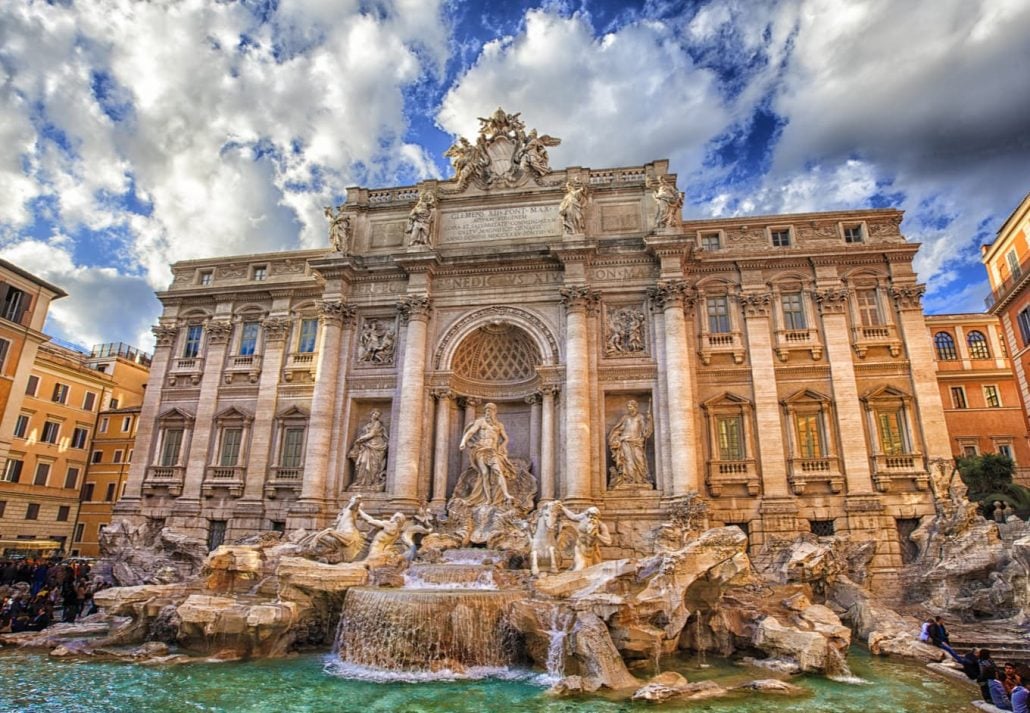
[
  {"x": 444, "y": 399},
  {"x": 149, "y": 411},
  {"x": 929, "y": 416},
  {"x": 772, "y": 455},
  {"x": 576, "y": 299},
  {"x": 217, "y": 334},
  {"x": 547, "y": 443},
  {"x": 671, "y": 297},
  {"x": 534, "y": 432},
  {"x": 415, "y": 309},
  {"x": 320, "y": 424},
  {"x": 470, "y": 410},
  {"x": 275, "y": 331},
  {"x": 833, "y": 304}
]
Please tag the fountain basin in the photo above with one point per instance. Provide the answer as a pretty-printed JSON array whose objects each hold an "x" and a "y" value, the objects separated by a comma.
[{"x": 427, "y": 630}]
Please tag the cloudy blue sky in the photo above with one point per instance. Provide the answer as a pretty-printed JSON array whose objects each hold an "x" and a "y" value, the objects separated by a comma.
[{"x": 135, "y": 134}]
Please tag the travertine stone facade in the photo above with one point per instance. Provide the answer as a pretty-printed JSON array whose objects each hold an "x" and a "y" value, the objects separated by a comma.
[{"x": 783, "y": 360}]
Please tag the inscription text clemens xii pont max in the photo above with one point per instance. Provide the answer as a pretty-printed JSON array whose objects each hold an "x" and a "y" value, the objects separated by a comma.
[{"x": 536, "y": 221}]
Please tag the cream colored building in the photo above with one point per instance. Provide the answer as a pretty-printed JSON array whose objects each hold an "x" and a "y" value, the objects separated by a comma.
[{"x": 783, "y": 360}]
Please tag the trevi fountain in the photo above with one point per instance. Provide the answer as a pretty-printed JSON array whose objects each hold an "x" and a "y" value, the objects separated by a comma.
[{"x": 633, "y": 530}]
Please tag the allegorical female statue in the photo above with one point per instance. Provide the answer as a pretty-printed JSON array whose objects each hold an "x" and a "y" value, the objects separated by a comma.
[
  {"x": 369, "y": 455},
  {"x": 420, "y": 220},
  {"x": 572, "y": 207},
  {"x": 626, "y": 441}
]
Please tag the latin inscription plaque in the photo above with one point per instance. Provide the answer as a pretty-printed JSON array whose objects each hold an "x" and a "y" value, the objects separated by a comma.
[{"x": 533, "y": 221}]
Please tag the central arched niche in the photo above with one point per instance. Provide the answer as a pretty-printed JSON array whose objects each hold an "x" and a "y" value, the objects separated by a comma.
[
  {"x": 495, "y": 355},
  {"x": 496, "y": 362}
]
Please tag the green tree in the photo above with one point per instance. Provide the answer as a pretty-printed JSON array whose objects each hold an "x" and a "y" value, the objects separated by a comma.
[{"x": 989, "y": 479}]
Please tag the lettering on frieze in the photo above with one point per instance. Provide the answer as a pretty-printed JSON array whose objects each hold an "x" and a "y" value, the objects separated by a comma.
[
  {"x": 623, "y": 272},
  {"x": 508, "y": 279},
  {"x": 533, "y": 221}
]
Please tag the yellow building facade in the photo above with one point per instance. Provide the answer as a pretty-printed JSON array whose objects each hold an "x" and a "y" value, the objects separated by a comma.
[{"x": 50, "y": 441}]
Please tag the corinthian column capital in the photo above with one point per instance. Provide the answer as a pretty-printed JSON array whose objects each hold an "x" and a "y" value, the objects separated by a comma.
[
  {"x": 579, "y": 297},
  {"x": 756, "y": 304},
  {"x": 218, "y": 331},
  {"x": 415, "y": 308}
]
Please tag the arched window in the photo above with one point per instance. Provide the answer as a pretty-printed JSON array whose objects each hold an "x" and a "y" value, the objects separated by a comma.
[
  {"x": 978, "y": 345},
  {"x": 945, "y": 346}
]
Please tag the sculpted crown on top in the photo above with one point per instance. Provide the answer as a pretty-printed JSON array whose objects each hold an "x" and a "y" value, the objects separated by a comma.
[{"x": 503, "y": 154}]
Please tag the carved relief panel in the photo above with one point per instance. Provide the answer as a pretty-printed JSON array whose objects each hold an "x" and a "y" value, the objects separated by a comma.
[
  {"x": 376, "y": 342},
  {"x": 625, "y": 331}
]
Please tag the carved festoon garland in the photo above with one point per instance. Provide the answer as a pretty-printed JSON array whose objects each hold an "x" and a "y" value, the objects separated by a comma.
[
  {"x": 275, "y": 328},
  {"x": 908, "y": 296},
  {"x": 756, "y": 304},
  {"x": 339, "y": 229},
  {"x": 624, "y": 331},
  {"x": 218, "y": 332},
  {"x": 503, "y": 154},
  {"x": 578, "y": 297},
  {"x": 415, "y": 307},
  {"x": 833, "y": 300},
  {"x": 377, "y": 342},
  {"x": 164, "y": 335}
]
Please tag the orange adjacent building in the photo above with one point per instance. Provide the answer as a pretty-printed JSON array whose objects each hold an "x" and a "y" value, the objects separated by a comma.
[
  {"x": 24, "y": 302},
  {"x": 1007, "y": 260},
  {"x": 982, "y": 405}
]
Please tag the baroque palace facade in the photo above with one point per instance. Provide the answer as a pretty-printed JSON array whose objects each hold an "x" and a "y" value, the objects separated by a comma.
[{"x": 781, "y": 364}]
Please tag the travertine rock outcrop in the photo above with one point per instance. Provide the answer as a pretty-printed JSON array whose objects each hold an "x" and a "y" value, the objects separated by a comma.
[{"x": 148, "y": 554}]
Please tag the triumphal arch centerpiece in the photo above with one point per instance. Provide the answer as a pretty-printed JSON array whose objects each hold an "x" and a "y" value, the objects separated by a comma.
[{"x": 776, "y": 366}]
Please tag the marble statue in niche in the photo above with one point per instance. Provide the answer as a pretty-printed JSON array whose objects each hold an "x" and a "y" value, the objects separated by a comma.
[
  {"x": 376, "y": 343},
  {"x": 625, "y": 327},
  {"x": 369, "y": 455},
  {"x": 487, "y": 440},
  {"x": 627, "y": 442}
]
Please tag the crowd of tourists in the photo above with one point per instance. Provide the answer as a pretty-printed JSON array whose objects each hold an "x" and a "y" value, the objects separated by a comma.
[
  {"x": 35, "y": 593},
  {"x": 1004, "y": 687}
]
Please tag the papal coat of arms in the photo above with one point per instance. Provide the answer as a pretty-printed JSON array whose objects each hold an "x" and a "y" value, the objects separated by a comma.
[{"x": 504, "y": 154}]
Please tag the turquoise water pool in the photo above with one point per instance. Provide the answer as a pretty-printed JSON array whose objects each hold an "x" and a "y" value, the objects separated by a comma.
[{"x": 33, "y": 682}]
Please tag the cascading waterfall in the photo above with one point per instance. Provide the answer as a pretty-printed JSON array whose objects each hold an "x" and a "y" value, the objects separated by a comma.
[
  {"x": 556, "y": 647},
  {"x": 420, "y": 631},
  {"x": 702, "y": 661},
  {"x": 450, "y": 576}
]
